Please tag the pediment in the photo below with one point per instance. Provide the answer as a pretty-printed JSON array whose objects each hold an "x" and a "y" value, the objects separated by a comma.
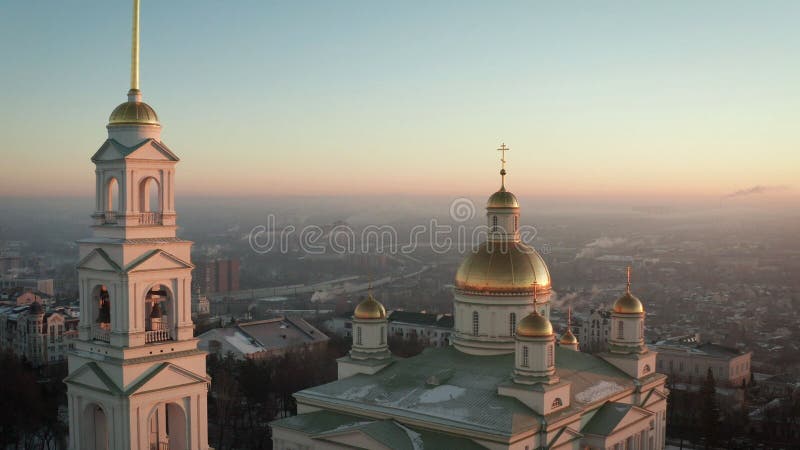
[
  {"x": 148, "y": 149},
  {"x": 612, "y": 417},
  {"x": 654, "y": 396},
  {"x": 91, "y": 376},
  {"x": 564, "y": 436},
  {"x": 152, "y": 150},
  {"x": 99, "y": 260},
  {"x": 165, "y": 376},
  {"x": 157, "y": 260}
]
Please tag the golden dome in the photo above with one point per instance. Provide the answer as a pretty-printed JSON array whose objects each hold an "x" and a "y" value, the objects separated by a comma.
[
  {"x": 370, "y": 309},
  {"x": 628, "y": 304},
  {"x": 534, "y": 325},
  {"x": 503, "y": 267},
  {"x": 133, "y": 113},
  {"x": 568, "y": 338},
  {"x": 502, "y": 199}
]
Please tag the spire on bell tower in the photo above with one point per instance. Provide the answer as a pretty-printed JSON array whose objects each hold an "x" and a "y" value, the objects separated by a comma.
[{"x": 134, "y": 91}]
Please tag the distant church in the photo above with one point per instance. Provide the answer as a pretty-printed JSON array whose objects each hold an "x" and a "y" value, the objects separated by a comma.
[
  {"x": 136, "y": 378},
  {"x": 507, "y": 382}
]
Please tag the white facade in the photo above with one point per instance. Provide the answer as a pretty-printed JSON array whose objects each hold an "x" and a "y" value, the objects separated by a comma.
[{"x": 136, "y": 377}]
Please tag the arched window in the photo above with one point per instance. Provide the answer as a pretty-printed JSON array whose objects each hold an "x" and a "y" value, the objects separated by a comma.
[
  {"x": 516, "y": 223},
  {"x": 512, "y": 324},
  {"x": 620, "y": 330},
  {"x": 557, "y": 403},
  {"x": 159, "y": 317},
  {"x": 475, "y": 323},
  {"x": 358, "y": 335},
  {"x": 149, "y": 195},
  {"x": 525, "y": 356},
  {"x": 641, "y": 329},
  {"x": 112, "y": 194},
  {"x": 383, "y": 335},
  {"x": 550, "y": 355},
  {"x": 494, "y": 223}
]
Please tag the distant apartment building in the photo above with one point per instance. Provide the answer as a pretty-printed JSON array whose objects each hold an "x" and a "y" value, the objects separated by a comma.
[
  {"x": 218, "y": 275},
  {"x": 263, "y": 339},
  {"x": 594, "y": 331},
  {"x": 42, "y": 337},
  {"x": 687, "y": 359},
  {"x": 433, "y": 330}
]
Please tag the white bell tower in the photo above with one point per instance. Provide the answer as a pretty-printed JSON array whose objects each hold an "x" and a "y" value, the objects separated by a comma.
[{"x": 136, "y": 378}]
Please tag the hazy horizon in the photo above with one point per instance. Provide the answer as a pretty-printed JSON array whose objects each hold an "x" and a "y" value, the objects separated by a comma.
[{"x": 263, "y": 98}]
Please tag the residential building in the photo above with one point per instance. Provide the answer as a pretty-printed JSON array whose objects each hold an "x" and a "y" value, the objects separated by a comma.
[
  {"x": 263, "y": 339},
  {"x": 432, "y": 330},
  {"x": 687, "y": 359}
]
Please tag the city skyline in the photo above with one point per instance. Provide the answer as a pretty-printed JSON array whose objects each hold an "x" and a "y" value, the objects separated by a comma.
[{"x": 360, "y": 98}]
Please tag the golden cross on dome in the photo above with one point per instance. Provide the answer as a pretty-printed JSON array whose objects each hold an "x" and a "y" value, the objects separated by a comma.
[
  {"x": 503, "y": 149},
  {"x": 628, "y": 288},
  {"x": 569, "y": 317}
]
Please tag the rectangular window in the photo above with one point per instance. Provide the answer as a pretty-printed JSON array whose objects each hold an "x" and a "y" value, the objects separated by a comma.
[{"x": 525, "y": 356}]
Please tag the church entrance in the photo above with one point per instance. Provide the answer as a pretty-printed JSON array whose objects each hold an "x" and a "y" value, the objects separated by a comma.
[
  {"x": 168, "y": 429},
  {"x": 95, "y": 428}
]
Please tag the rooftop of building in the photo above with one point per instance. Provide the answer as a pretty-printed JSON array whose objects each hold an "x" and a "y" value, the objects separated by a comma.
[
  {"x": 326, "y": 425},
  {"x": 249, "y": 338},
  {"x": 421, "y": 318},
  {"x": 451, "y": 388},
  {"x": 692, "y": 344}
]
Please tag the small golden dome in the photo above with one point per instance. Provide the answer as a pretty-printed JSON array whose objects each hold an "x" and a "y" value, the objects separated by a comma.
[
  {"x": 534, "y": 325},
  {"x": 133, "y": 113},
  {"x": 502, "y": 199},
  {"x": 370, "y": 309},
  {"x": 568, "y": 338},
  {"x": 628, "y": 304},
  {"x": 503, "y": 267}
]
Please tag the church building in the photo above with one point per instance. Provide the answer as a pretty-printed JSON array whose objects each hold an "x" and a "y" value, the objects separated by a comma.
[
  {"x": 136, "y": 377},
  {"x": 506, "y": 382}
]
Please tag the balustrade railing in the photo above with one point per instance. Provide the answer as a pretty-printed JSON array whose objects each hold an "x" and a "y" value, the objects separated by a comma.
[
  {"x": 156, "y": 335},
  {"x": 110, "y": 217},
  {"x": 101, "y": 334},
  {"x": 159, "y": 446},
  {"x": 150, "y": 218}
]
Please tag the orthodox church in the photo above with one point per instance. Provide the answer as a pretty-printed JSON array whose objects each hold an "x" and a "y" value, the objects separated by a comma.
[
  {"x": 506, "y": 382},
  {"x": 136, "y": 377}
]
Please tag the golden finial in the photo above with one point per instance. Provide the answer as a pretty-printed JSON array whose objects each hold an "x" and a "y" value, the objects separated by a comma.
[
  {"x": 534, "y": 299},
  {"x": 503, "y": 149},
  {"x": 628, "y": 287},
  {"x": 135, "y": 48}
]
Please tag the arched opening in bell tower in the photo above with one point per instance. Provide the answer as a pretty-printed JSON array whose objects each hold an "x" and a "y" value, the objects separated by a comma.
[
  {"x": 167, "y": 427},
  {"x": 100, "y": 311},
  {"x": 112, "y": 200},
  {"x": 94, "y": 428},
  {"x": 149, "y": 201},
  {"x": 159, "y": 317}
]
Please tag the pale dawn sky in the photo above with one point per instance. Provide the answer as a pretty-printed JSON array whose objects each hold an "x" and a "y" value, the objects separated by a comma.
[{"x": 661, "y": 99}]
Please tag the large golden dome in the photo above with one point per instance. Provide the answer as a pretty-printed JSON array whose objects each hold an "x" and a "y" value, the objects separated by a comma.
[
  {"x": 370, "y": 309},
  {"x": 133, "y": 113},
  {"x": 534, "y": 325},
  {"x": 503, "y": 267},
  {"x": 628, "y": 304},
  {"x": 502, "y": 199}
]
